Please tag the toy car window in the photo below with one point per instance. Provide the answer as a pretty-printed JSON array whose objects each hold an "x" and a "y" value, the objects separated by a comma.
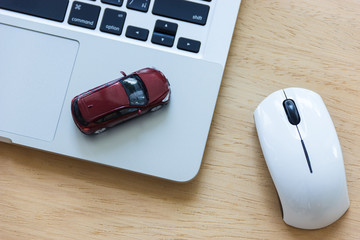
[
  {"x": 116, "y": 114},
  {"x": 108, "y": 117},
  {"x": 127, "y": 110},
  {"x": 135, "y": 90}
]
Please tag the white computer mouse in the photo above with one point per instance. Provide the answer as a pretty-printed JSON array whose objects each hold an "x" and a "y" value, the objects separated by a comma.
[{"x": 303, "y": 154}]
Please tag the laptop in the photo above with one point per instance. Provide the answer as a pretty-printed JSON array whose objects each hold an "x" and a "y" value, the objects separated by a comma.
[{"x": 53, "y": 50}]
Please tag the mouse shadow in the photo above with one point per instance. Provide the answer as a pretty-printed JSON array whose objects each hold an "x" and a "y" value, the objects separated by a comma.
[{"x": 80, "y": 173}]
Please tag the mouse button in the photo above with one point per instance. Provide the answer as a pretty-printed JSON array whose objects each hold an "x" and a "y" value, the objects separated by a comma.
[
  {"x": 272, "y": 101},
  {"x": 306, "y": 100},
  {"x": 323, "y": 149},
  {"x": 311, "y": 108},
  {"x": 273, "y": 130},
  {"x": 270, "y": 111},
  {"x": 277, "y": 137},
  {"x": 291, "y": 111},
  {"x": 317, "y": 128},
  {"x": 327, "y": 163}
]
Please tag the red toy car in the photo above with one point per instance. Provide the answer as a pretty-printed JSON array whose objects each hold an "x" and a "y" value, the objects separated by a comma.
[{"x": 120, "y": 100}]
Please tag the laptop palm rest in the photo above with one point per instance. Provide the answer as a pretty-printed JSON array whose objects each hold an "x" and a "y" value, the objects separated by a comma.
[{"x": 35, "y": 70}]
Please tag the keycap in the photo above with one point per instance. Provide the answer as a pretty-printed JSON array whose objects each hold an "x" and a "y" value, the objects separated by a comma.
[
  {"x": 139, "y": 5},
  {"x": 84, "y": 15},
  {"x": 49, "y": 9},
  {"x": 164, "y": 33},
  {"x": 182, "y": 10},
  {"x": 163, "y": 39},
  {"x": 113, "y": 2},
  {"x": 165, "y": 27},
  {"x": 137, "y": 33},
  {"x": 188, "y": 45},
  {"x": 113, "y": 21}
]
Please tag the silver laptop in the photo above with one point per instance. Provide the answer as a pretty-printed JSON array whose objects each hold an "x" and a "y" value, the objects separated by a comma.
[{"x": 53, "y": 50}]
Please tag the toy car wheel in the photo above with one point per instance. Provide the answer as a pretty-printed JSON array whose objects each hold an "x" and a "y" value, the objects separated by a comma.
[
  {"x": 100, "y": 130},
  {"x": 154, "y": 109}
]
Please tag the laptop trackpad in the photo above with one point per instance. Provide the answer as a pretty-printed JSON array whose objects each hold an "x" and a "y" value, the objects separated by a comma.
[{"x": 35, "y": 70}]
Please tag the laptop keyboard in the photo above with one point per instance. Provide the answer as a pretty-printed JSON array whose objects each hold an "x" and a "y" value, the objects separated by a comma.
[{"x": 86, "y": 14}]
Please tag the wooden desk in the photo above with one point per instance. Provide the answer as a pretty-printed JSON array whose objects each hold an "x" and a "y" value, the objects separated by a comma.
[{"x": 277, "y": 44}]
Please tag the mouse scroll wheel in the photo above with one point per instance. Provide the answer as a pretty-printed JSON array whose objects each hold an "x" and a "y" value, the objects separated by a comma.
[{"x": 291, "y": 111}]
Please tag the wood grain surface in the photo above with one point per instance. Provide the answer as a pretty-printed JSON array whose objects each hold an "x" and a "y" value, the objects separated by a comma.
[{"x": 276, "y": 44}]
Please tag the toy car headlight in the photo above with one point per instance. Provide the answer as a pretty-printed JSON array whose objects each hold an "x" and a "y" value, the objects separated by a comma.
[{"x": 166, "y": 98}]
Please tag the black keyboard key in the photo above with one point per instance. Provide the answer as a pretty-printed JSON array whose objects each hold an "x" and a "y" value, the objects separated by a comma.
[
  {"x": 113, "y": 2},
  {"x": 137, "y": 33},
  {"x": 113, "y": 21},
  {"x": 165, "y": 27},
  {"x": 84, "y": 15},
  {"x": 49, "y": 9},
  {"x": 188, "y": 45},
  {"x": 182, "y": 10},
  {"x": 139, "y": 5},
  {"x": 163, "y": 39}
]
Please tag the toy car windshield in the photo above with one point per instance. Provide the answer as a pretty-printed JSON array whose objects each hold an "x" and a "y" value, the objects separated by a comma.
[{"x": 135, "y": 89}]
